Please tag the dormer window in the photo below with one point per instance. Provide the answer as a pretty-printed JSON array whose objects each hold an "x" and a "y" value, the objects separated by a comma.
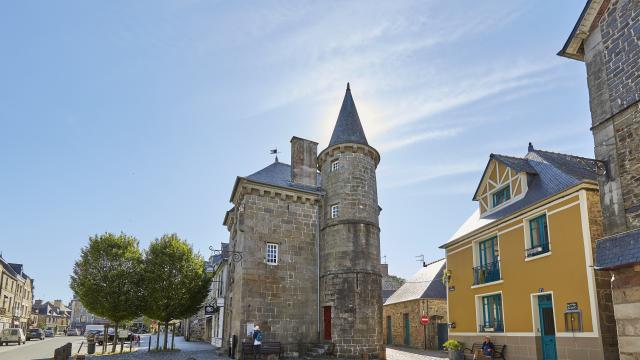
[
  {"x": 335, "y": 165},
  {"x": 501, "y": 196}
]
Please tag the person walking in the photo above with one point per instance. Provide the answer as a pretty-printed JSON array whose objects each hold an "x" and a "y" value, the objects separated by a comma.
[{"x": 257, "y": 342}]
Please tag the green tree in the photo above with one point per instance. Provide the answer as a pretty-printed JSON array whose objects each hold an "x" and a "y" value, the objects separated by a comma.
[
  {"x": 175, "y": 281},
  {"x": 108, "y": 278}
]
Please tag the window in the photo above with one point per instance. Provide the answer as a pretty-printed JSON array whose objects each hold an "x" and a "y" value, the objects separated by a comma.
[
  {"x": 272, "y": 254},
  {"x": 538, "y": 236},
  {"x": 488, "y": 269},
  {"x": 335, "y": 165},
  {"x": 501, "y": 196},
  {"x": 335, "y": 211},
  {"x": 491, "y": 314}
]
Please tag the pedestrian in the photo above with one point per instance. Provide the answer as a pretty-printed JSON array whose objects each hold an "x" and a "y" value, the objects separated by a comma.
[
  {"x": 257, "y": 342},
  {"x": 487, "y": 350}
]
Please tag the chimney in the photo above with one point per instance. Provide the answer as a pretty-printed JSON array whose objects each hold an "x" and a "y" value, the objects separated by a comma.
[
  {"x": 384, "y": 269},
  {"x": 304, "y": 161},
  {"x": 57, "y": 303}
]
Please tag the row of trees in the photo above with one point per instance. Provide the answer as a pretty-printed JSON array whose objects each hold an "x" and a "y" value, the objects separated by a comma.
[{"x": 115, "y": 279}]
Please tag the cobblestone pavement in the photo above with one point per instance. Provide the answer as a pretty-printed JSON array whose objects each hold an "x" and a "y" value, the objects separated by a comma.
[
  {"x": 399, "y": 353},
  {"x": 173, "y": 355}
]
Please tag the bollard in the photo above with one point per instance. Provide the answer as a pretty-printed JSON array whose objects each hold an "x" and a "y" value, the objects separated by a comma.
[{"x": 149, "y": 342}]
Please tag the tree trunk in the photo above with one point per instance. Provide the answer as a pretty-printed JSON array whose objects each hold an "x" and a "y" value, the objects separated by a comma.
[
  {"x": 166, "y": 335},
  {"x": 157, "y": 337},
  {"x": 115, "y": 337}
]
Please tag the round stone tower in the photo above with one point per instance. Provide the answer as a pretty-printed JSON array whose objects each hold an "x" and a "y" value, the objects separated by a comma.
[{"x": 350, "y": 279}]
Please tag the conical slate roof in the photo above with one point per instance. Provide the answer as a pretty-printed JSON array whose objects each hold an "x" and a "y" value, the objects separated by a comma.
[{"x": 348, "y": 127}]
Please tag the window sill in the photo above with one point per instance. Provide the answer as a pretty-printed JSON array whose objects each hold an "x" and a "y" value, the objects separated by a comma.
[
  {"x": 538, "y": 256},
  {"x": 487, "y": 284}
]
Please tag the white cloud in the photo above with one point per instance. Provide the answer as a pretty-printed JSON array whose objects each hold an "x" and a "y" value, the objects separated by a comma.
[{"x": 416, "y": 175}]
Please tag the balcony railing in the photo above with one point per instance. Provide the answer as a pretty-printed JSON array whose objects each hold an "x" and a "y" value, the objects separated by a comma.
[
  {"x": 486, "y": 273},
  {"x": 493, "y": 326},
  {"x": 537, "y": 250}
]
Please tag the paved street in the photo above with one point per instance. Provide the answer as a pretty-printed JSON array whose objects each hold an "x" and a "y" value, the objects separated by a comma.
[{"x": 38, "y": 349}]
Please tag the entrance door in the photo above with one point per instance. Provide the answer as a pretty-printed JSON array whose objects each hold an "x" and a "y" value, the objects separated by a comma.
[
  {"x": 443, "y": 335},
  {"x": 389, "y": 333},
  {"x": 327, "y": 322},
  {"x": 547, "y": 327},
  {"x": 407, "y": 335}
]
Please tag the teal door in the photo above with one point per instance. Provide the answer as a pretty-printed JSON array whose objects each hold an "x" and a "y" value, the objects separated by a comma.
[
  {"x": 389, "y": 334},
  {"x": 547, "y": 327},
  {"x": 407, "y": 335}
]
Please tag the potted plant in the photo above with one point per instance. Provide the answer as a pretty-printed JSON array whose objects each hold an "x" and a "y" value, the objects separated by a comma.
[{"x": 455, "y": 348}]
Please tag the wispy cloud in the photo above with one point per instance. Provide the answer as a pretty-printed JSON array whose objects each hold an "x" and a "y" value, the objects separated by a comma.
[
  {"x": 414, "y": 138},
  {"x": 416, "y": 175}
]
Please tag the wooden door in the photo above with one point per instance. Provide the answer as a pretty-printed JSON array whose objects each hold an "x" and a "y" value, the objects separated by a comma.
[{"x": 327, "y": 322}]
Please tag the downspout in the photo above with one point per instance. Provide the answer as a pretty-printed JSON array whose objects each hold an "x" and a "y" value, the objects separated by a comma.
[{"x": 318, "y": 266}]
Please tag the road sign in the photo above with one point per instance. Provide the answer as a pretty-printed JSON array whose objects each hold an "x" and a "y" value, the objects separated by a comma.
[{"x": 424, "y": 320}]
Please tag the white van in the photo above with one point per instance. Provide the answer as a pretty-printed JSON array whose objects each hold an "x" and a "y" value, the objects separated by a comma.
[{"x": 12, "y": 336}]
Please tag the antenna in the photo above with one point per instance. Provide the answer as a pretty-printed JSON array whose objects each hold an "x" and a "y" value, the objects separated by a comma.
[
  {"x": 384, "y": 259},
  {"x": 274, "y": 152},
  {"x": 420, "y": 258}
]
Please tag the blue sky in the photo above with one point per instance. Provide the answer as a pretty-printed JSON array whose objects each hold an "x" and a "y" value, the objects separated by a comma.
[{"x": 137, "y": 116}]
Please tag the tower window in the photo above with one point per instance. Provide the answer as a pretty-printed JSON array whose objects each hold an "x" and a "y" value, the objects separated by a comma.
[
  {"x": 272, "y": 254},
  {"x": 335, "y": 211},
  {"x": 335, "y": 165}
]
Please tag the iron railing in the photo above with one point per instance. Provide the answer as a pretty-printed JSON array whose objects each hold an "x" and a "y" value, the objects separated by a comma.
[
  {"x": 492, "y": 326},
  {"x": 537, "y": 250},
  {"x": 486, "y": 273}
]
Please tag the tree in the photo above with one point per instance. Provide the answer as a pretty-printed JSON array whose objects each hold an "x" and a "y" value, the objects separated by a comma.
[
  {"x": 108, "y": 278},
  {"x": 175, "y": 281}
]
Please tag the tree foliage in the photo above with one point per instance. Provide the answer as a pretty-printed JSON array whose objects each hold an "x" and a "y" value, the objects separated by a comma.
[
  {"x": 175, "y": 281},
  {"x": 108, "y": 277}
]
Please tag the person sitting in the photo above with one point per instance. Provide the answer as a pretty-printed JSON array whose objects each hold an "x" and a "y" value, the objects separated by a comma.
[{"x": 488, "y": 349}]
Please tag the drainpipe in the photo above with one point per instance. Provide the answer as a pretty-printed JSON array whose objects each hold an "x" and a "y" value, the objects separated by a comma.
[{"x": 318, "y": 266}]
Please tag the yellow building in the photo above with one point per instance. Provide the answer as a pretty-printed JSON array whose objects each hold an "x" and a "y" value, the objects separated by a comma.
[{"x": 521, "y": 267}]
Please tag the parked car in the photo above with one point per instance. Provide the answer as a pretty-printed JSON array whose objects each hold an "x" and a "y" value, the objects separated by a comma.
[
  {"x": 12, "y": 336},
  {"x": 73, "y": 332},
  {"x": 49, "y": 333},
  {"x": 100, "y": 336},
  {"x": 35, "y": 334}
]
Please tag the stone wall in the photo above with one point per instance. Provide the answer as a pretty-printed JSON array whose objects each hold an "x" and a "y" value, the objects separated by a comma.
[
  {"x": 350, "y": 277},
  {"x": 435, "y": 308},
  {"x": 281, "y": 298},
  {"x": 626, "y": 297},
  {"x": 603, "y": 282}
]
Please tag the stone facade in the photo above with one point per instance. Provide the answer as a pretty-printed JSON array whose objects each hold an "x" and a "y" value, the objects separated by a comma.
[
  {"x": 303, "y": 272},
  {"x": 611, "y": 45},
  {"x": 414, "y": 309},
  {"x": 350, "y": 280}
]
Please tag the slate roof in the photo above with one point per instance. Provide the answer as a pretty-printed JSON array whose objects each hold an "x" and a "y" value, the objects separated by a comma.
[
  {"x": 554, "y": 173},
  {"x": 618, "y": 250},
  {"x": 348, "y": 128},
  {"x": 425, "y": 284},
  {"x": 279, "y": 174}
]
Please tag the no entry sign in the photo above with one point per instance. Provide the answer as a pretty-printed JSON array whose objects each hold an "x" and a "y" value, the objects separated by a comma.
[{"x": 424, "y": 320}]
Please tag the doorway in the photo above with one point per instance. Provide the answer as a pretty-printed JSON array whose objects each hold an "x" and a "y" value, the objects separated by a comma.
[
  {"x": 327, "y": 322},
  {"x": 547, "y": 327},
  {"x": 407, "y": 327},
  {"x": 443, "y": 334},
  {"x": 389, "y": 334}
]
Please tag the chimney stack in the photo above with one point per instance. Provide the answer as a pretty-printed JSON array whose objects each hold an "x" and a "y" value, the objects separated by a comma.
[{"x": 304, "y": 161}]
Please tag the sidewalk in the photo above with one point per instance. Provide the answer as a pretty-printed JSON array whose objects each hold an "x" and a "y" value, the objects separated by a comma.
[{"x": 401, "y": 353}]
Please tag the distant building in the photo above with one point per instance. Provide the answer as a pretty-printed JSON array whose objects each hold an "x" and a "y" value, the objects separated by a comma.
[
  {"x": 423, "y": 295},
  {"x": 81, "y": 317},
  {"x": 607, "y": 38},
  {"x": 389, "y": 283},
  {"x": 16, "y": 296},
  {"x": 52, "y": 315},
  {"x": 520, "y": 268}
]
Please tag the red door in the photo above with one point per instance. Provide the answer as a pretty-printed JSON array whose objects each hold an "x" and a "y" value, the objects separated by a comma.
[{"x": 327, "y": 322}]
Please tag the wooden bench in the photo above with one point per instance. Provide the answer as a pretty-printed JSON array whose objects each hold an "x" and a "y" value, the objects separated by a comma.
[
  {"x": 498, "y": 352},
  {"x": 267, "y": 348}
]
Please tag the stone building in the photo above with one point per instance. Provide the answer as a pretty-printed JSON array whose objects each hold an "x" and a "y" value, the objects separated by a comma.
[
  {"x": 423, "y": 295},
  {"x": 390, "y": 283},
  {"x": 81, "y": 317},
  {"x": 308, "y": 236},
  {"x": 52, "y": 315},
  {"x": 16, "y": 296},
  {"x": 607, "y": 38}
]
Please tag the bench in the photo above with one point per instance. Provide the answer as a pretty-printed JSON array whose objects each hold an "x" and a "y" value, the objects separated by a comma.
[
  {"x": 267, "y": 348},
  {"x": 497, "y": 354}
]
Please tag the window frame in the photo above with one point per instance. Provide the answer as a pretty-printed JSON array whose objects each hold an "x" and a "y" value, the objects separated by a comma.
[
  {"x": 335, "y": 165},
  {"x": 528, "y": 235},
  {"x": 275, "y": 254},
  {"x": 334, "y": 211},
  {"x": 484, "y": 313},
  {"x": 499, "y": 190}
]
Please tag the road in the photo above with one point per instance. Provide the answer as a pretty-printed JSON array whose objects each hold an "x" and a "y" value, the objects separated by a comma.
[{"x": 38, "y": 349}]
